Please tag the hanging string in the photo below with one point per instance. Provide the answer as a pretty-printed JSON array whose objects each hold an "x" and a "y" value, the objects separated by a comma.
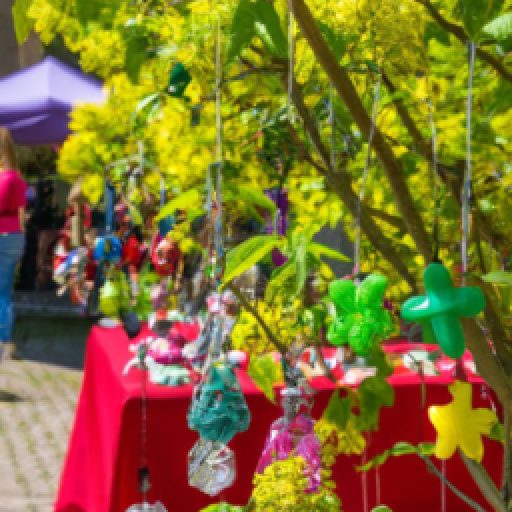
[
  {"x": 443, "y": 486},
  {"x": 332, "y": 123},
  {"x": 218, "y": 115},
  {"x": 466, "y": 188},
  {"x": 357, "y": 243},
  {"x": 434, "y": 178},
  {"x": 377, "y": 485},
  {"x": 218, "y": 93},
  {"x": 163, "y": 193},
  {"x": 291, "y": 64},
  {"x": 364, "y": 482},
  {"x": 110, "y": 197},
  {"x": 144, "y": 483}
]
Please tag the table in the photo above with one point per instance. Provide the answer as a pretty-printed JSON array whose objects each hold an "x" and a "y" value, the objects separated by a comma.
[{"x": 100, "y": 470}]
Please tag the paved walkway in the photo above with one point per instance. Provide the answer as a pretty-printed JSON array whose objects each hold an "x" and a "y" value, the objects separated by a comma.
[{"x": 37, "y": 404}]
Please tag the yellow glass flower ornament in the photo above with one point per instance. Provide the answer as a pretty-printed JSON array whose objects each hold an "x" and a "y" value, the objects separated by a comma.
[{"x": 459, "y": 425}]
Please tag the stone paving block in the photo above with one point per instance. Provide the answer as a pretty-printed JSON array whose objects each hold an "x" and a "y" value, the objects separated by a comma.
[{"x": 37, "y": 404}]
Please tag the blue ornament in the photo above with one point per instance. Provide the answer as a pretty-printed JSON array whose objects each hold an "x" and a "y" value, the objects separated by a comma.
[
  {"x": 107, "y": 248},
  {"x": 166, "y": 224}
]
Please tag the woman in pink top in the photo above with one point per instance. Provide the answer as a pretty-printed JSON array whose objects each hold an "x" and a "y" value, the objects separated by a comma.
[{"x": 12, "y": 239}]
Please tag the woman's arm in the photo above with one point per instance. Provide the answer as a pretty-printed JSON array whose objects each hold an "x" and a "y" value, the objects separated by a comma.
[{"x": 21, "y": 213}]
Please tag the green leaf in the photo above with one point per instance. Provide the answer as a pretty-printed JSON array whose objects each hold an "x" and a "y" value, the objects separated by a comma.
[
  {"x": 280, "y": 280},
  {"x": 476, "y": 13},
  {"x": 381, "y": 508},
  {"x": 265, "y": 372},
  {"x": 22, "y": 23},
  {"x": 497, "y": 432},
  {"x": 249, "y": 195},
  {"x": 135, "y": 215},
  {"x": 148, "y": 100},
  {"x": 301, "y": 262},
  {"x": 374, "y": 393},
  {"x": 319, "y": 250},
  {"x": 222, "y": 507},
  {"x": 500, "y": 28},
  {"x": 92, "y": 10},
  {"x": 403, "y": 448},
  {"x": 267, "y": 26},
  {"x": 499, "y": 277},
  {"x": 337, "y": 42},
  {"x": 187, "y": 200},
  {"x": 242, "y": 29},
  {"x": 434, "y": 31},
  {"x": 338, "y": 410},
  {"x": 426, "y": 449},
  {"x": 256, "y": 18},
  {"x": 248, "y": 253},
  {"x": 136, "y": 55},
  {"x": 178, "y": 80},
  {"x": 397, "y": 450}
]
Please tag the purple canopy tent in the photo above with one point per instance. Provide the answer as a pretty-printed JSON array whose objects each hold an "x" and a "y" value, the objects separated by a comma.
[{"x": 35, "y": 102}]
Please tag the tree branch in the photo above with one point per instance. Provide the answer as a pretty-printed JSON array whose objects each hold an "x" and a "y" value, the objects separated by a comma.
[
  {"x": 484, "y": 482},
  {"x": 431, "y": 466},
  {"x": 461, "y": 35},
  {"x": 392, "y": 220},
  {"x": 453, "y": 180},
  {"x": 346, "y": 90},
  {"x": 340, "y": 182},
  {"x": 487, "y": 365},
  {"x": 482, "y": 228},
  {"x": 254, "y": 312}
]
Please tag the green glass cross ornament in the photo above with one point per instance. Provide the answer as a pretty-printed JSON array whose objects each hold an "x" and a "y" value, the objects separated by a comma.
[{"x": 442, "y": 307}]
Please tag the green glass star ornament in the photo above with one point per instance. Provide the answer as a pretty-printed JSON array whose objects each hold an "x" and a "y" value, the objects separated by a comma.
[{"x": 443, "y": 306}]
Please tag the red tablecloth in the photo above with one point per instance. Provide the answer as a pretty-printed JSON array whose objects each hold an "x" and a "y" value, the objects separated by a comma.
[{"x": 100, "y": 471}]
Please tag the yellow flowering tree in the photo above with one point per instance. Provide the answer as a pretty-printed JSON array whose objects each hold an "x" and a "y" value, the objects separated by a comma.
[{"x": 157, "y": 60}]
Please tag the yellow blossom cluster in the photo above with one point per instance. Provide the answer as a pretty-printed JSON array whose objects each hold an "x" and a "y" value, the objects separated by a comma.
[{"x": 282, "y": 486}]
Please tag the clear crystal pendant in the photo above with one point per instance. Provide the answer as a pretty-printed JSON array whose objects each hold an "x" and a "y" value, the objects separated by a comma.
[
  {"x": 211, "y": 467},
  {"x": 147, "y": 507}
]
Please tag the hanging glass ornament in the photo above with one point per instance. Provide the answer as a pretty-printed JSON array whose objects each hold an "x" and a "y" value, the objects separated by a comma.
[
  {"x": 211, "y": 467},
  {"x": 293, "y": 435},
  {"x": 442, "y": 306},
  {"x": 361, "y": 319},
  {"x": 147, "y": 507},
  {"x": 165, "y": 255},
  {"x": 108, "y": 248},
  {"x": 218, "y": 410}
]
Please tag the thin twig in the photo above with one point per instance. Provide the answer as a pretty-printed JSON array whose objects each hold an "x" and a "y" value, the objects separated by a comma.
[
  {"x": 254, "y": 312},
  {"x": 431, "y": 466},
  {"x": 507, "y": 477},
  {"x": 323, "y": 364},
  {"x": 484, "y": 483}
]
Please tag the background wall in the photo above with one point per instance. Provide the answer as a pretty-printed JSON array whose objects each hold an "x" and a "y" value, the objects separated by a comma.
[{"x": 13, "y": 57}]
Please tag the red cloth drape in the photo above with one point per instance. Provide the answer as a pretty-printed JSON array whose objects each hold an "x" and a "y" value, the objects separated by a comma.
[{"x": 100, "y": 471}]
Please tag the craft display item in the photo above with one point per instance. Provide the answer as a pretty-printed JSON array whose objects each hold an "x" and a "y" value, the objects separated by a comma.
[
  {"x": 166, "y": 225},
  {"x": 361, "y": 319},
  {"x": 293, "y": 435},
  {"x": 218, "y": 410},
  {"x": 165, "y": 255},
  {"x": 211, "y": 467},
  {"x": 442, "y": 306},
  {"x": 147, "y": 507},
  {"x": 114, "y": 295},
  {"x": 459, "y": 425},
  {"x": 108, "y": 248}
]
